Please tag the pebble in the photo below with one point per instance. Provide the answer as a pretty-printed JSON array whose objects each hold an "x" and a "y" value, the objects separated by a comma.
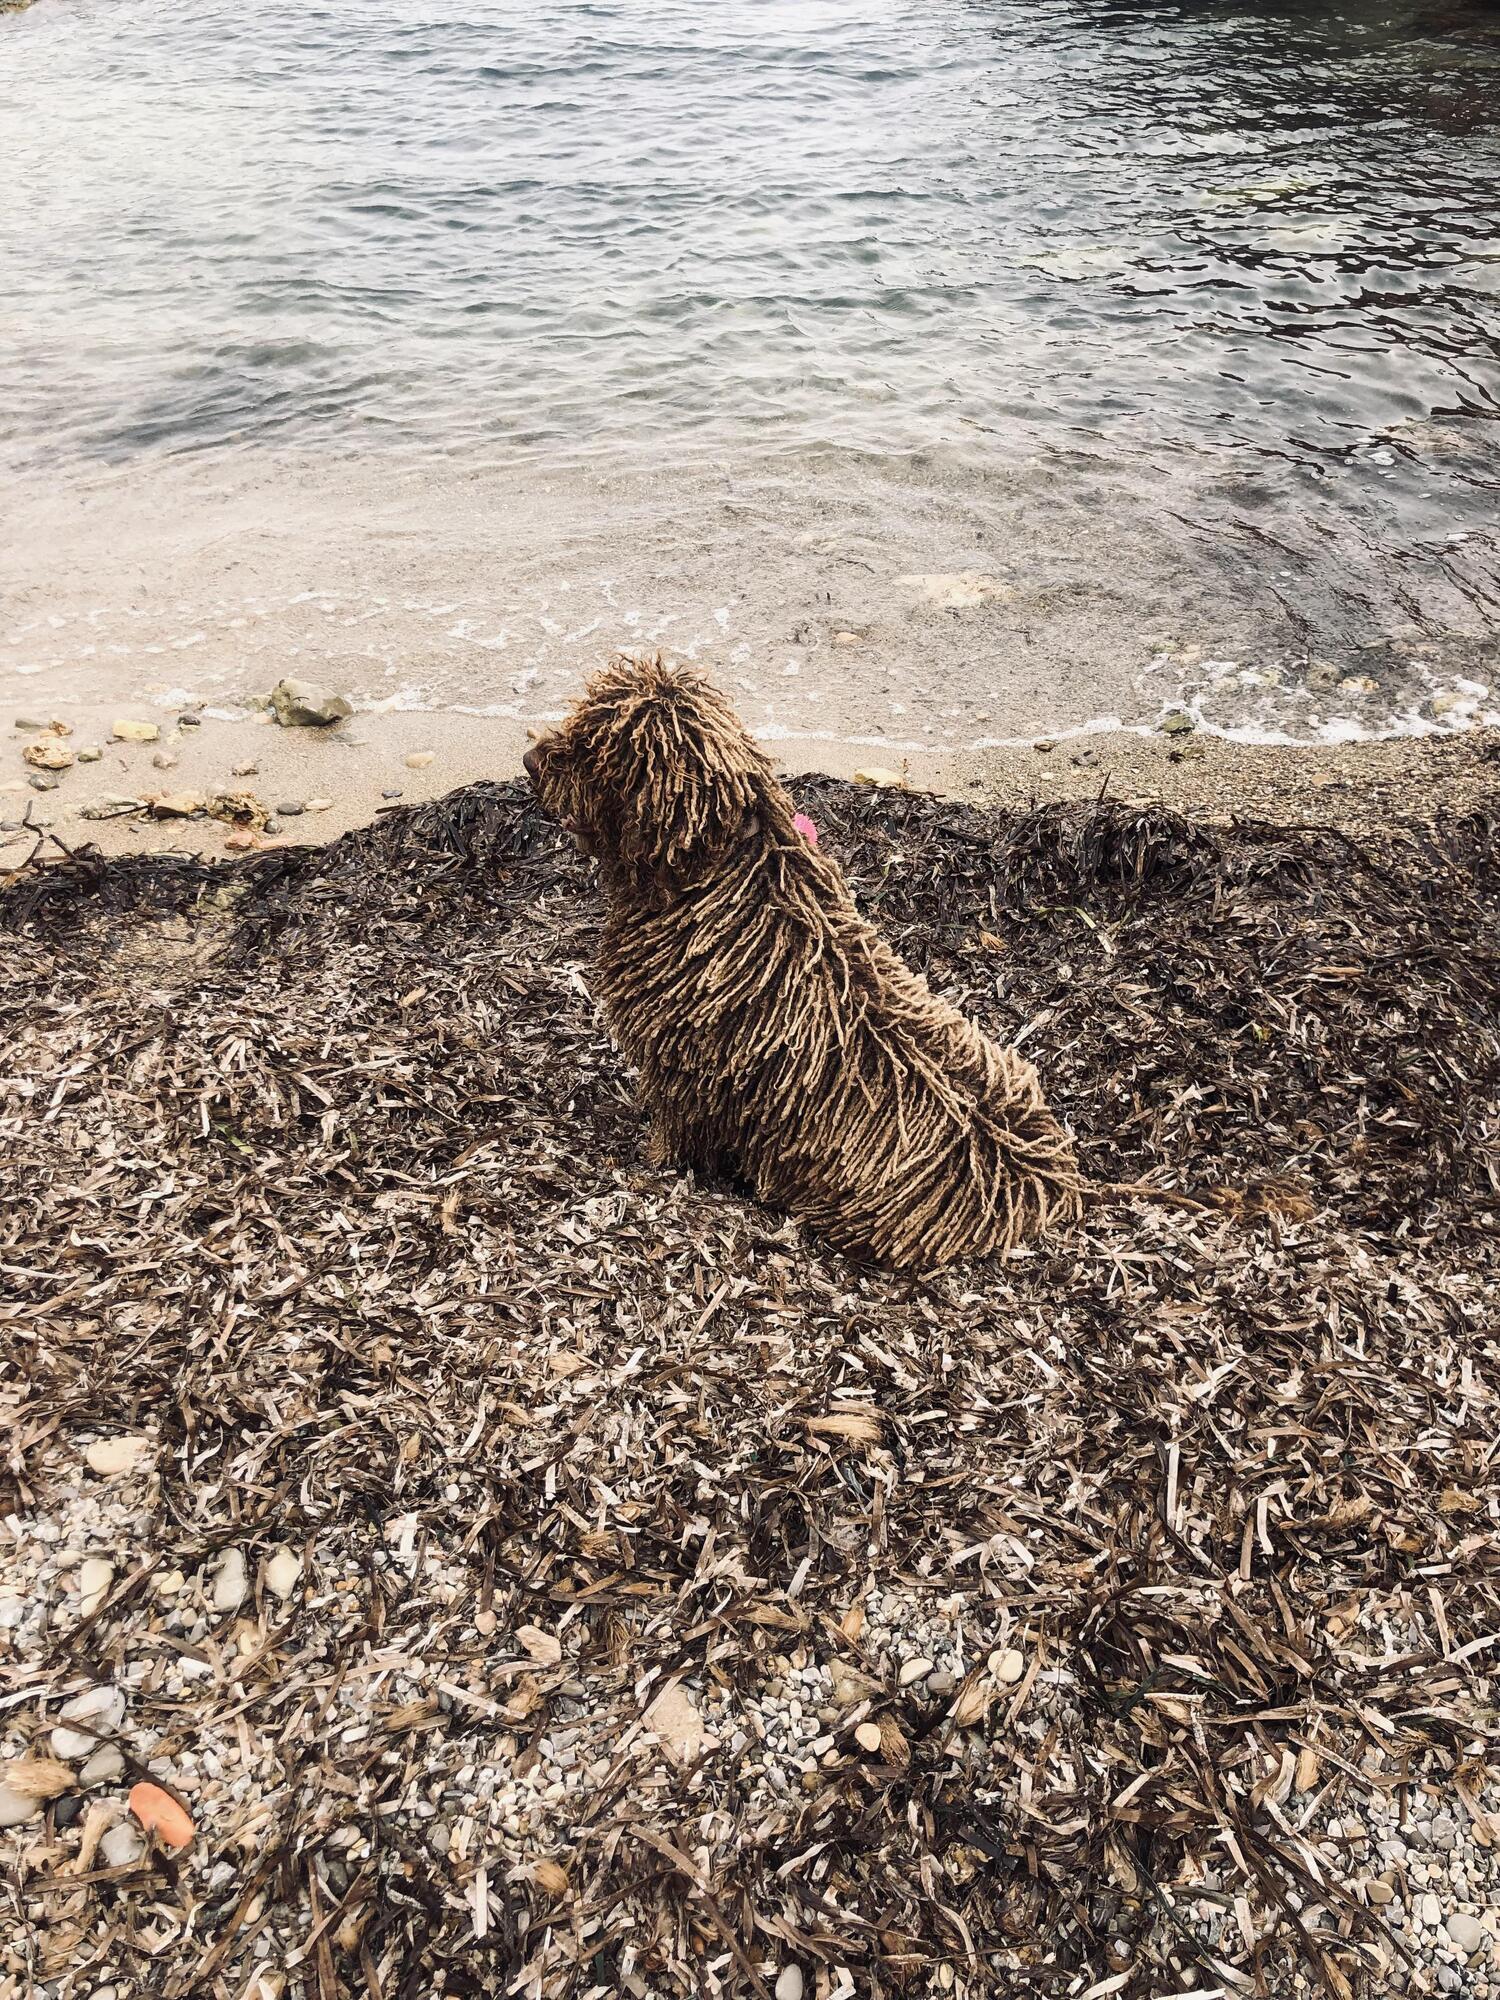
[
  {"x": 129, "y": 731},
  {"x": 230, "y": 1582},
  {"x": 418, "y": 760},
  {"x": 789, "y": 1983},
  {"x": 105, "y": 1767},
  {"x": 283, "y": 1573},
  {"x": 1467, "y": 1933},
  {"x": 250, "y": 770},
  {"x": 122, "y": 1846},
  {"x": 1007, "y": 1666},
  {"x": 319, "y": 805},
  {"x": 190, "y": 721},
  {"x": 26, "y": 722},
  {"x": 867, "y": 1736},
  {"x": 914, "y": 1670},
  {"x": 39, "y": 781},
  {"x": 101, "y": 1708},
  {"x": 390, "y": 794},
  {"x": 1378, "y": 1892},
  {"x": 291, "y": 807},
  {"x": 94, "y": 1578},
  {"x": 170, "y": 1583},
  {"x": 1429, "y": 1911},
  {"x": 164, "y": 760},
  {"x": 16, "y": 1808},
  {"x": 90, "y": 754},
  {"x": 111, "y": 1455}
]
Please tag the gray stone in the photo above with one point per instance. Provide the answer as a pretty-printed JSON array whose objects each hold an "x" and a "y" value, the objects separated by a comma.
[
  {"x": 291, "y": 807},
  {"x": 16, "y": 1808},
  {"x": 122, "y": 1846},
  {"x": 1178, "y": 723},
  {"x": 304, "y": 705},
  {"x": 1467, "y": 1933},
  {"x": 105, "y": 1767},
  {"x": 99, "y": 1711}
]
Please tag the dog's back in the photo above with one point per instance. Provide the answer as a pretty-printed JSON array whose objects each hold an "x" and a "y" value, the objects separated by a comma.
[{"x": 776, "y": 1034}]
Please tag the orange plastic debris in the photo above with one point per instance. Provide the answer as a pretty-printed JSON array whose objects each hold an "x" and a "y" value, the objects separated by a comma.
[{"x": 160, "y": 1813}]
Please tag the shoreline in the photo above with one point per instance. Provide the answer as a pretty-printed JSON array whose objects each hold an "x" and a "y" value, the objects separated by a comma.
[{"x": 346, "y": 775}]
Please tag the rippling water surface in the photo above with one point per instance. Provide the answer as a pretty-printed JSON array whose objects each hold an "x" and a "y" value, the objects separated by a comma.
[{"x": 1212, "y": 291}]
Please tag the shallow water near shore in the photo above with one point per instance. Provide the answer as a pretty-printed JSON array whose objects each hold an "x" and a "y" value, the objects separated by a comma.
[{"x": 942, "y": 376}]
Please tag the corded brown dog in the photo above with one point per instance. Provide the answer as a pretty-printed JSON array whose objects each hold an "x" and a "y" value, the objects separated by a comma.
[{"x": 776, "y": 1035}]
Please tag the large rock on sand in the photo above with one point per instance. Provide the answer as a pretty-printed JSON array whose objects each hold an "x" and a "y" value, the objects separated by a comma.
[{"x": 305, "y": 705}]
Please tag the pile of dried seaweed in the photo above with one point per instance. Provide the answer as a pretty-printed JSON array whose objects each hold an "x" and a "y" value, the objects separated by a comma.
[{"x": 539, "y": 1574}]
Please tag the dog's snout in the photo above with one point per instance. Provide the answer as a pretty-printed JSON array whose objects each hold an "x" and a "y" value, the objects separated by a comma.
[{"x": 532, "y": 757}]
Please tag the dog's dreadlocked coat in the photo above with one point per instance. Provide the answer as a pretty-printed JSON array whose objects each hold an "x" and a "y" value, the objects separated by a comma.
[{"x": 776, "y": 1035}]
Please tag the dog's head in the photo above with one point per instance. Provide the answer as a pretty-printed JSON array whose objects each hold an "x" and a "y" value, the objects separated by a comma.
[{"x": 653, "y": 772}]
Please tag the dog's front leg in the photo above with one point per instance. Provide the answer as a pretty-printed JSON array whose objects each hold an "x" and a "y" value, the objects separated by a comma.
[{"x": 675, "y": 1141}]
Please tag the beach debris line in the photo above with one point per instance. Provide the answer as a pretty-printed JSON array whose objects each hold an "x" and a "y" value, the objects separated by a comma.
[{"x": 495, "y": 1594}]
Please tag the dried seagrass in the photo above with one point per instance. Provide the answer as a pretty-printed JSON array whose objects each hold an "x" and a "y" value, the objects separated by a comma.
[{"x": 640, "y": 1597}]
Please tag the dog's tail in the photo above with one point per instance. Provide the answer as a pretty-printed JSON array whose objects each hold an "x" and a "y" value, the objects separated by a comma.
[{"x": 1256, "y": 1198}]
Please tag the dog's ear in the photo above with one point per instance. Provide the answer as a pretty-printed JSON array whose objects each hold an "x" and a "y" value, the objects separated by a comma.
[{"x": 682, "y": 775}]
